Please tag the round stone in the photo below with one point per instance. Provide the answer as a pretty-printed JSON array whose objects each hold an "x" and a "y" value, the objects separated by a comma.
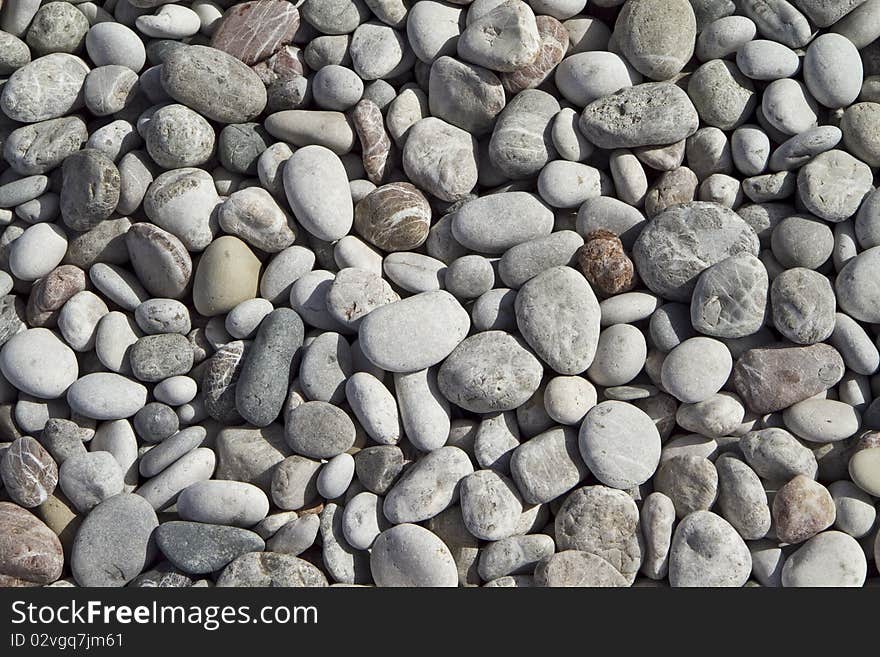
[
  {"x": 38, "y": 363},
  {"x": 657, "y": 37},
  {"x": 228, "y": 273},
  {"x": 30, "y": 552},
  {"x": 489, "y": 372},
  {"x": 620, "y": 444},
  {"x": 696, "y": 369},
  {"x": 412, "y": 556},
  {"x": 831, "y": 558},
  {"x": 29, "y": 474},
  {"x": 319, "y": 430},
  {"x": 706, "y": 551}
]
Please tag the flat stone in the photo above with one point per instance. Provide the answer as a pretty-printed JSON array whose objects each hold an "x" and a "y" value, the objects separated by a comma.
[
  {"x": 428, "y": 487},
  {"x": 707, "y": 551},
  {"x": 30, "y": 552},
  {"x": 254, "y": 31},
  {"x": 410, "y": 555}
]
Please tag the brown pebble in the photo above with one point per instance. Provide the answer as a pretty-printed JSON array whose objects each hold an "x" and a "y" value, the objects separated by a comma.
[
  {"x": 394, "y": 217},
  {"x": 285, "y": 63},
  {"x": 51, "y": 292},
  {"x": 30, "y": 553},
  {"x": 253, "y": 31},
  {"x": 605, "y": 264},
  {"x": 29, "y": 473},
  {"x": 801, "y": 509},
  {"x": 375, "y": 143},
  {"x": 554, "y": 43}
]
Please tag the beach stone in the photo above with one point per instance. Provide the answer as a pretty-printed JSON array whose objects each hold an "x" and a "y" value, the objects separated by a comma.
[
  {"x": 548, "y": 307},
  {"x": 433, "y": 29},
  {"x": 681, "y": 242},
  {"x": 31, "y": 553},
  {"x": 773, "y": 378},
  {"x": 199, "y": 548},
  {"x": 250, "y": 454},
  {"x": 440, "y": 158},
  {"x": 801, "y": 509},
  {"x": 182, "y": 202},
  {"x": 394, "y": 217},
  {"x": 157, "y": 357},
  {"x": 690, "y": 481},
  {"x": 554, "y": 43},
  {"x": 89, "y": 190},
  {"x": 90, "y": 478},
  {"x": 296, "y": 536},
  {"x": 707, "y": 551},
  {"x": 493, "y": 224},
  {"x": 515, "y": 555},
  {"x": 37, "y": 148},
  {"x": 657, "y": 519},
  {"x": 234, "y": 503},
  {"x": 114, "y": 542},
  {"x": 176, "y": 137},
  {"x": 294, "y": 482},
  {"x": 29, "y": 474},
  {"x": 803, "y": 305},
  {"x": 378, "y": 467},
  {"x": 830, "y": 558},
  {"x": 858, "y": 127},
  {"x": 161, "y": 491},
  {"x": 261, "y": 569},
  {"x": 106, "y": 396},
  {"x": 604, "y": 522},
  {"x": 741, "y": 497},
  {"x": 262, "y": 383},
  {"x": 855, "y": 294},
  {"x": 319, "y": 430},
  {"x": 317, "y": 190},
  {"x": 38, "y": 363},
  {"x": 822, "y": 420},
  {"x": 587, "y": 76},
  {"x": 214, "y": 84},
  {"x": 355, "y": 293},
  {"x": 489, "y": 372},
  {"x": 620, "y": 444},
  {"x": 46, "y": 88},
  {"x": 414, "y": 333},
  {"x": 254, "y": 216},
  {"x": 833, "y": 184},
  {"x": 524, "y": 261},
  {"x": 657, "y": 38},
  {"x": 114, "y": 336},
  {"x": 521, "y": 143},
  {"x": 863, "y": 470},
  {"x": 160, "y": 260},
  {"x": 332, "y": 130},
  {"x": 490, "y": 505},
  {"x": 776, "y": 455},
  {"x": 650, "y": 114},
  {"x": 530, "y": 465},
  {"x": 227, "y": 274},
  {"x": 424, "y": 412},
  {"x": 723, "y": 97},
  {"x": 428, "y": 487},
  {"x": 465, "y": 95},
  {"x": 730, "y": 297},
  {"x": 833, "y": 70},
  {"x": 254, "y": 31},
  {"x": 696, "y": 369},
  {"x": 410, "y": 555},
  {"x": 283, "y": 270},
  {"x": 576, "y": 568},
  {"x": 503, "y": 39}
]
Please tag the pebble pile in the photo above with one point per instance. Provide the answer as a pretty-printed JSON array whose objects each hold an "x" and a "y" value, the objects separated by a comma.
[{"x": 420, "y": 293}]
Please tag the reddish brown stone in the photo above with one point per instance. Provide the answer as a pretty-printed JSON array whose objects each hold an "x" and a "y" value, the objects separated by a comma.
[
  {"x": 801, "y": 509},
  {"x": 30, "y": 553},
  {"x": 375, "y": 143},
  {"x": 29, "y": 473},
  {"x": 554, "y": 43},
  {"x": 253, "y": 31},
  {"x": 287, "y": 62},
  {"x": 394, "y": 217},
  {"x": 604, "y": 263},
  {"x": 51, "y": 292}
]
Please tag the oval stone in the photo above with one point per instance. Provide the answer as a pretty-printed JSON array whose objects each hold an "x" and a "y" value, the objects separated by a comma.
[{"x": 414, "y": 333}]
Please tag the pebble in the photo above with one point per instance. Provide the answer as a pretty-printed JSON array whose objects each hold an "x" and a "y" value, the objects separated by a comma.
[
  {"x": 412, "y": 556},
  {"x": 776, "y": 455},
  {"x": 440, "y": 158},
  {"x": 198, "y": 548},
  {"x": 620, "y": 444},
  {"x": 38, "y": 363},
  {"x": 261, "y": 569},
  {"x": 830, "y": 558},
  {"x": 657, "y": 519},
  {"x": 234, "y": 503},
  {"x": 414, "y": 333},
  {"x": 29, "y": 474},
  {"x": 89, "y": 478},
  {"x": 115, "y": 542},
  {"x": 326, "y": 211},
  {"x": 31, "y": 552},
  {"x": 706, "y": 551},
  {"x": 604, "y": 522},
  {"x": 429, "y": 487},
  {"x": 696, "y": 369}
]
